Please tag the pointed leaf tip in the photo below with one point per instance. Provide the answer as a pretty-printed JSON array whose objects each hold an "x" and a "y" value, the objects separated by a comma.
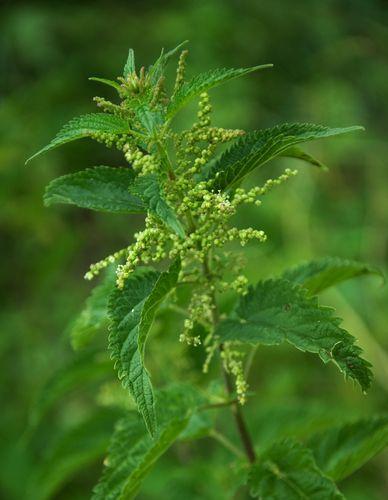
[
  {"x": 86, "y": 126},
  {"x": 130, "y": 64},
  {"x": 320, "y": 274},
  {"x": 204, "y": 82},
  {"x": 263, "y": 66},
  {"x": 257, "y": 148},
  {"x": 277, "y": 311},
  {"x": 105, "y": 81}
]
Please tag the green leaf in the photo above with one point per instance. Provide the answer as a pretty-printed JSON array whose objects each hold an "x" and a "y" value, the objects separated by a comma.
[
  {"x": 204, "y": 82},
  {"x": 131, "y": 311},
  {"x": 158, "y": 68},
  {"x": 342, "y": 450},
  {"x": 299, "y": 154},
  {"x": 105, "y": 81},
  {"x": 130, "y": 64},
  {"x": 287, "y": 471},
  {"x": 131, "y": 457},
  {"x": 257, "y": 148},
  {"x": 163, "y": 286},
  {"x": 276, "y": 311},
  {"x": 71, "y": 452},
  {"x": 103, "y": 189},
  {"x": 299, "y": 419},
  {"x": 181, "y": 399},
  {"x": 94, "y": 315},
  {"x": 125, "y": 311},
  {"x": 133, "y": 453},
  {"x": 150, "y": 120},
  {"x": 86, "y": 368},
  {"x": 86, "y": 126},
  {"x": 147, "y": 188},
  {"x": 317, "y": 275}
]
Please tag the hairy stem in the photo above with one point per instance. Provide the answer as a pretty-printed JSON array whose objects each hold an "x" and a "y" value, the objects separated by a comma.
[
  {"x": 242, "y": 428},
  {"x": 226, "y": 443},
  {"x": 214, "y": 406}
]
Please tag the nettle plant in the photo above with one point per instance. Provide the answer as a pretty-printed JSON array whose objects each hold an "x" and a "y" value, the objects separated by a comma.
[{"x": 188, "y": 185}]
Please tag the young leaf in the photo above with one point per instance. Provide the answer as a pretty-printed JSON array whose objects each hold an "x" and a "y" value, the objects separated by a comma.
[
  {"x": 147, "y": 188},
  {"x": 105, "y": 81},
  {"x": 287, "y": 471},
  {"x": 86, "y": 126},
  {"x": 131, "y": 311},
  {"x": 298, "y": 153},
  {"x": 158, "y": 68},
  {"x": 344, "y": 449},
  {"x": 151, "y": 120},
  {"x": 103, "y": 189},
  {"x": 276, "y": 311},
  {"x": 130, "y": 64},
  {"x": 71, "y": 452},
  {"x": 133, "y": 453},
  {"x": 206, "y": 81},
  {"x": 95, "y": 313},
  {"x": 317, "y": 275},
  {"x": 257, "y": 148}
]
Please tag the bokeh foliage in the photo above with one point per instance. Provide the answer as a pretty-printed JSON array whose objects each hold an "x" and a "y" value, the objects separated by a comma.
[{"x": 331, "y": 67}]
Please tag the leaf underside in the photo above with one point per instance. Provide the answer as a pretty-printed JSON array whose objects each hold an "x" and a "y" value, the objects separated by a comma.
[
  {"x": 317, "y": 275},
  {"x": 276, "y": 311},
  {"x": 298, "y": 154},
  {"x": 103, "y": 189},
  {"x": 257, "y": 148}
]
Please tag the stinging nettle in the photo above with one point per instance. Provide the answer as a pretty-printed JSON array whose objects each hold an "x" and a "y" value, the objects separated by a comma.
[{"x": 188, "y": 184}]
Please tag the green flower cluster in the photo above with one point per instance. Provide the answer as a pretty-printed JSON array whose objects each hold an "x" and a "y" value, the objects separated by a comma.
[
  {"x": 143, "y": 163},
  {"x": 135, "y": 85},
  {"x": 180, "y": 72},
  {"x": 180, "y": 161},
  {"x": 243, "y": 196},
  {"x": 233, "y": 363}
]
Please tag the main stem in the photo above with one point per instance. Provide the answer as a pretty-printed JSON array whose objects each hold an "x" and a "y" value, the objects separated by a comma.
[{"x": 242, "y": 428}]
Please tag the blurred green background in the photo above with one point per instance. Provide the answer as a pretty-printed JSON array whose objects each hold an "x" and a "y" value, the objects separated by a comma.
[{"x": 331, "y": 67}]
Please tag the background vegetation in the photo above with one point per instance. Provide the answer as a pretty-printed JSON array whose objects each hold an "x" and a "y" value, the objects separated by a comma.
[{"x": 331, "y": 67}]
